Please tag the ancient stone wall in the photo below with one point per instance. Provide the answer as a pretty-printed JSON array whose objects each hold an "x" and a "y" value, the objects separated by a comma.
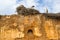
[
  {"x": 29, "y": 24},
  {"x": 16, "y": 26}
]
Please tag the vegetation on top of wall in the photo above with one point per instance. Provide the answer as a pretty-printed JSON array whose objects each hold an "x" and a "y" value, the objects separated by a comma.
[{"x": 26, "y": 11}]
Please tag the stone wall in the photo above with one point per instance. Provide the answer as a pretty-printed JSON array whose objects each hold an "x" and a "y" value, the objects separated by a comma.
[{"x": 16, "y": 27}]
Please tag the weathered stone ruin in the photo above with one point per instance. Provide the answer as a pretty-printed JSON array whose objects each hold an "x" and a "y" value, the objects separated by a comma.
[
  {"x": 29, "y": 24},
  {"x": 26, "y": 11}
]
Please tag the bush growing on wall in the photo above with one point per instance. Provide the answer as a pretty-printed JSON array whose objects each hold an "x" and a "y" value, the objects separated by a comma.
[{"x": 26, "y": 11}]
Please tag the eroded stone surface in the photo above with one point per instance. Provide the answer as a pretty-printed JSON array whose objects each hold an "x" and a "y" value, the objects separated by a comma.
[
  {"x": 16, "y": 27},
  {"x": 41, "y": 26}
]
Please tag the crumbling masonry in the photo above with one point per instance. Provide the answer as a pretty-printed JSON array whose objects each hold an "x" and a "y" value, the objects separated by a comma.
[{"x": 30, "y": 24}]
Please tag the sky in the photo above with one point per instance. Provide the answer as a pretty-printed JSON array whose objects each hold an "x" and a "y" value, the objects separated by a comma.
[{"x": 8, "y": 7}]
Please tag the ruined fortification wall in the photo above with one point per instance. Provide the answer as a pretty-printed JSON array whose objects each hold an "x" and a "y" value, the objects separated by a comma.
[
  {"x": 29, "y": 24},
  {"x": 17, "y": 26}
]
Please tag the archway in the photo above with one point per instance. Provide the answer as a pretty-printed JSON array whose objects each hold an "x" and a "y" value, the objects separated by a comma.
[{"x": 30, "y": 31}]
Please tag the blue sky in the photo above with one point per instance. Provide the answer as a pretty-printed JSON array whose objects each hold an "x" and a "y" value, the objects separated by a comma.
[{"x": 8, "y": 7}]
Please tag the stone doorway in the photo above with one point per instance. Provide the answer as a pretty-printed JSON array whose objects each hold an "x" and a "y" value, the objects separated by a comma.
[{"x": 29, "y": 33}]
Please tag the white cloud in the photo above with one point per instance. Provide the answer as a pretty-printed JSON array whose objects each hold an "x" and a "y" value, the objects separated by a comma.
[
  {"x": 9, "y": 6},
  {"x": 6, "y": 6},
  {"x": 51, "y": 5},
  {"x": 56, "y": 6}
]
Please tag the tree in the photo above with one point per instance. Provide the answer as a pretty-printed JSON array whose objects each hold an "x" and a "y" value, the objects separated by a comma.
[
  {"x": 26, "y": 11},
  {"x": 21, "y": 9}
]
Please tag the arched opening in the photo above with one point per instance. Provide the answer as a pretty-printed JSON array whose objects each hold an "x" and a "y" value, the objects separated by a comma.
[{"x": 30, "y": 31}]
